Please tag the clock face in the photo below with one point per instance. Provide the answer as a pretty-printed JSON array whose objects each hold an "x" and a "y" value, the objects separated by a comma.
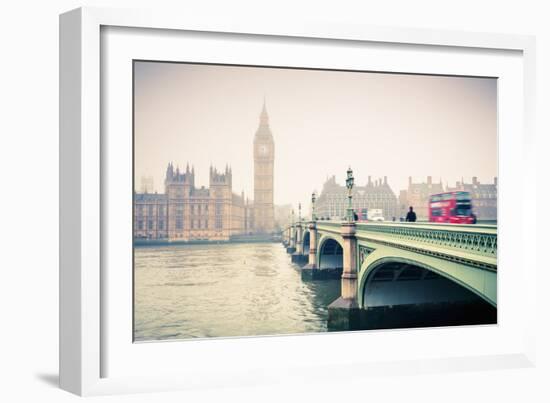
[{"x": 263, "y": 150}]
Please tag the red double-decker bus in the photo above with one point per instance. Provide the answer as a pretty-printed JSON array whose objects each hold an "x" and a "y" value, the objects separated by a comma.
[{"x": 451, "y": 207}]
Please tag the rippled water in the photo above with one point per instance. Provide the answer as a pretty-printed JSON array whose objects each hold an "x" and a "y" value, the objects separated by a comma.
[{"x": 225, "y": 290}]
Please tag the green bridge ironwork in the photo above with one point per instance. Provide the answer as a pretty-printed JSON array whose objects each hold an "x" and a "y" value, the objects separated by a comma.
[{"x": 464, "y": 254}]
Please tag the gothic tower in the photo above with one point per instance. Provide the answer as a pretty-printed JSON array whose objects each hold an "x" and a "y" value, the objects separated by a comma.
[{"x": 264, "y": 156}]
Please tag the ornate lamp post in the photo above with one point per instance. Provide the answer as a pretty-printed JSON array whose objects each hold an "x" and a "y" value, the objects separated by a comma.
[
  {"x": 343, "y": 314},
  {"x": 292, "y": 216},
  {"x": 313, "y": 197},
  {"x": 349, "y": 185}
]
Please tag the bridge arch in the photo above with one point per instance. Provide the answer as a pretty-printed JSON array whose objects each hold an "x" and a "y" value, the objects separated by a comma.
[
  {"x": 330, "y": 253},
  {"x": 306, "y": 240},
  {"x": 379, "y": 258},
  {"x": 411, "y": 290}
]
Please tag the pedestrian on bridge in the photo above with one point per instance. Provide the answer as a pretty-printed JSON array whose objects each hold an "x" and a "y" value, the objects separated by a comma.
[{"x": 411, "y": 215}]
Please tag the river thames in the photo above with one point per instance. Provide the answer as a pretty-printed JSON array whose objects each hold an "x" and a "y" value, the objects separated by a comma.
[{"x": 224, "y": 290}]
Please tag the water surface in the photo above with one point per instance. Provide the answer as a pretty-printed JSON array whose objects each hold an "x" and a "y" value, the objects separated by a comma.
[{"x": 184, "y": 291}]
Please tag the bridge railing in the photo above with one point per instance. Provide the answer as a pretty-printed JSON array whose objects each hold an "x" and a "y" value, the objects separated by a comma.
[
  {"x": 469, "y": 242},
  {"x": 478, "y": 239}
]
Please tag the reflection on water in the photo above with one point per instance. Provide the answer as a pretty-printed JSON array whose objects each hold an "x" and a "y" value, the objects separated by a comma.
[{"x": 184, "y": 291}]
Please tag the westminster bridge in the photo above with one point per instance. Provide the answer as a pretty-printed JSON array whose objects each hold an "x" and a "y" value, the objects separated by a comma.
[{"x": 400, "y": 274}]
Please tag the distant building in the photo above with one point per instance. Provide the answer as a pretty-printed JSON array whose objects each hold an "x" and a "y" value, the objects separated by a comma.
[
  {"x": 185, "y": 212},
  {"x": 282, "y": 215},
  {"x": 417, "y": 196},
  {"x": 147, "y": 184},
  {"x": 484, "y": 197},
  {"x": 189, "y": 213},
  {"x": 150, "y": 216},
  {"x": 333, "y": 200}
]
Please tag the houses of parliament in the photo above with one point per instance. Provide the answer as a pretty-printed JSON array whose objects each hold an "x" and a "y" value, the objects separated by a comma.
[{"x": 186, "y": 212}]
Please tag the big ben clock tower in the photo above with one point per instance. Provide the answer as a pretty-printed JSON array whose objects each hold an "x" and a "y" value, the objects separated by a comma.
[{"x": 264, "y": 156}]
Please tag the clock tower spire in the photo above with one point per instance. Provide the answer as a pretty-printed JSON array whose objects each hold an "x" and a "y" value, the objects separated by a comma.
[{"x": 264, "y": 157}]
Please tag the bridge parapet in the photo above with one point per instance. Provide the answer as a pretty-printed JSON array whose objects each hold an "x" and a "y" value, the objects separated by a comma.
[
  {"x": 475, "y": 239},
  {"x": 329, "y": 226},
  {"x": 475, "y": 245},
  {"x": 471, "y": 244}
]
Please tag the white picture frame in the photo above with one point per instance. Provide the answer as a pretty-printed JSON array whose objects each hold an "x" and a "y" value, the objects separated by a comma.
[{"x": 86, "y": 341}]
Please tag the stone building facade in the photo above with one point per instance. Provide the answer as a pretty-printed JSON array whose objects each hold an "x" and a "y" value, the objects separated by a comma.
[
  {"x": 333, "y": 199},
  {"x": 484, "y": 197},
  {"x": 150, "y": 216},
  {"x": 417, "y": 196},
  {"x": 186, "y": 212},
  {"x": 189, "y": 213}
]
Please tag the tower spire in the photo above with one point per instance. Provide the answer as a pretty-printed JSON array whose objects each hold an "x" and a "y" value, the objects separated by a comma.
[{"x": 264, "y": 117}]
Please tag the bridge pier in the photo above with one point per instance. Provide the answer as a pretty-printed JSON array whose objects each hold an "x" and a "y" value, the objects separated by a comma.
[
  {"x": 310, "y": 270},
  {"x": 289, "y": 237},
  {"x": 298, "y": 256},
  {"x": 344, "y": 313},
  {"x": 292, "y": 244}
]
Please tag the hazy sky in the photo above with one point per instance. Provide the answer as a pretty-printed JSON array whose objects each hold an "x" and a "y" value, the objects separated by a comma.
[{"x": 322, "y": 122}]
